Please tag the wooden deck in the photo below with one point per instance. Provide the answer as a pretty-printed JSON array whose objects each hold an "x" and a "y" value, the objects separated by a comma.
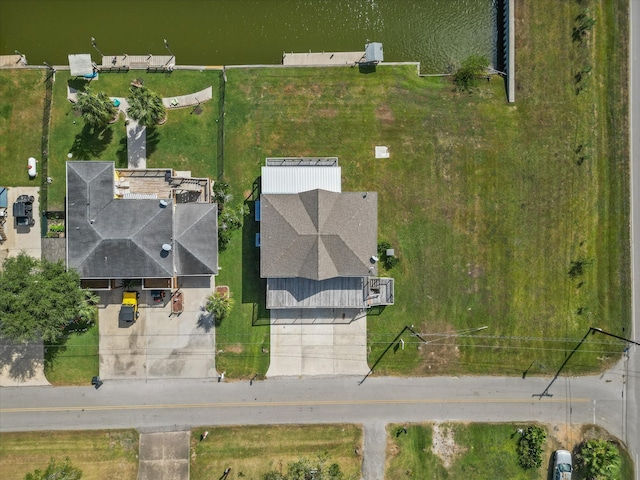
[
  {"x": 12, "y": 61},
  {"x": 341, "y": 292},
  {"x": 162, "y": 183},
  {"x": 322, "y": 59},
  {"x": 137, "y": 62}
]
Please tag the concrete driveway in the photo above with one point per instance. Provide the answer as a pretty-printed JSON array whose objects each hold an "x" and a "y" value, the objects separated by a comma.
[
  {"x": 158, "y": 344},
  {"x": 22, "y": 364},
  {"x": 164, "y": 456},
  {"x": 318, "y": 342}
]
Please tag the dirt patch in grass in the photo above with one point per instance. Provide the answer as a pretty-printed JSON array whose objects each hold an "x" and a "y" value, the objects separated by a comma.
[
  {"x": 384, "y": 114},
  {"x": 440, "y": 353},
  {"x": 234, "y": 349},
  {"x": 444, "y": 444}
]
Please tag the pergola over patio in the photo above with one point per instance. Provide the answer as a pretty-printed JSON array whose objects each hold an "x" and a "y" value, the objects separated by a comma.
[{"x": 81, "y": 65}]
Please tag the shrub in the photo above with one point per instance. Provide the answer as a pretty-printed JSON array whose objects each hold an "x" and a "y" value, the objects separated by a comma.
[
  {"x": 530, "y": 447},
  {"x": 599, "y": 460},
  {"x": 466, "y": 77},
  {"x": 219, "y": 305}
]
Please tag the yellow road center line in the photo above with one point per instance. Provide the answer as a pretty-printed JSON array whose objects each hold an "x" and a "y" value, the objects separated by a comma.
[{"x": 302, "y": 403}]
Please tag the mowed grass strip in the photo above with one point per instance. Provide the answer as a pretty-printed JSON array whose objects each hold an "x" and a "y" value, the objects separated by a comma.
[
  {"x": 99, "y": 454},
  {"x": 488, "y": 205},
  {"x": 188, "y": 140},
  {"x": 73, "y": 360},
  {"x": 22, "y": 94},
  {"x": 256, "y": 450}
]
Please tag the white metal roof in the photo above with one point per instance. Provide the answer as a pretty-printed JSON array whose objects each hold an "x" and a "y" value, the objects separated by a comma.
[{"x": 301, "y": 179}]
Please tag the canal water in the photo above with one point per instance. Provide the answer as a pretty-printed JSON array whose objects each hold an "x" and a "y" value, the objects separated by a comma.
[{"x": 435, "y": 33}]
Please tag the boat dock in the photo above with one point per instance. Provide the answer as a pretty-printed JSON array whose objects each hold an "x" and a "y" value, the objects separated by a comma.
[
  {"x": 12, "y": 61},
  {"x": 126, "y": 62},
  {"x": 322, "y": 59}
]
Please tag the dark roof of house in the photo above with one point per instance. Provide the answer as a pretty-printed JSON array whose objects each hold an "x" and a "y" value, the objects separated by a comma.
[
  {"x": 109, "y": 237},
  {"x": 318, "y": 234}
]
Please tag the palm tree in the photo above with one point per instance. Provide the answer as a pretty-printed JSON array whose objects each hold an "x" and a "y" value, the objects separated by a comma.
[
  {"x": 97, "y": 109},
  {"x": 600, "y": 460},
  {"x": 146, "y": 107}
]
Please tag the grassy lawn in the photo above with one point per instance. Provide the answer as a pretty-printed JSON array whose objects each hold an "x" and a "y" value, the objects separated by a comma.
[
  {"x": 22, "y": 95},
  {"x": 99, "y": 454},
  {"x": 73, "y": 360},
  {"x": 243, "y": 449},
  {"x": 478, "y": 451},
  {"x": 187, "y": 141},
  {"x": 509, "y": 216}
]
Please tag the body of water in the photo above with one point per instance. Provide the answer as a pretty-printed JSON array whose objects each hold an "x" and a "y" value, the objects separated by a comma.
[{"x": 435, "y": 33}]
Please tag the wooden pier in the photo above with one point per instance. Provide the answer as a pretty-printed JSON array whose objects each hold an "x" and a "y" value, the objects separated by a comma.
[
  {"x": 322, "y": 59},
  {"x": 13, "y": 61},
  {"x": 137, "y": 62}
]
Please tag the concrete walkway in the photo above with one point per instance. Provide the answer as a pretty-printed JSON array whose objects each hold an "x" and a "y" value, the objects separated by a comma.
[
  {"x": 191, "y": 100},
  {"x": 164, "y": 456},
  {"x": 375, "y": 446}
]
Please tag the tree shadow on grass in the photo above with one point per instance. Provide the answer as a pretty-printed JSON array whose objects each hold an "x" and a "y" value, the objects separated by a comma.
[
  {"x": 153, "y": 138},
  {"x": 122, "y": 158},
  {"x": 90, "y": 142},
  {"x": 22, "y": 358}
]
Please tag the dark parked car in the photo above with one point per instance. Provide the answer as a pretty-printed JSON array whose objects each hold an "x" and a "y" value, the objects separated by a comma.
[{"x": 23, "y": 211}]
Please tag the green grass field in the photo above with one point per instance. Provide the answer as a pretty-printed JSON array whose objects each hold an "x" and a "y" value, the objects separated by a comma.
[
  {"x": 73, "y": 360},
  {"x": 244, "y": 449},
  {"x": 99, "y": 454},
  {"x": 513, "y": 217},
  {"x": 21, "y": 108},
  {"x": 187, "y": 141}
]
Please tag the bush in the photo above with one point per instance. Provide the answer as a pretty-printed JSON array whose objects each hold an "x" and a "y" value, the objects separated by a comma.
[
  {"x": 466, "y": 77},
  {"x": 530, "y": 447},
  {"x": 599, "y": 460},
  {"x": 219, "y": 305}
]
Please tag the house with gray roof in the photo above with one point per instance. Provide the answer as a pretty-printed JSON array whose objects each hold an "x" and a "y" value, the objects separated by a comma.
[
  {"x": 318, "y": 244},
  {"x": 155, "y": 225}
]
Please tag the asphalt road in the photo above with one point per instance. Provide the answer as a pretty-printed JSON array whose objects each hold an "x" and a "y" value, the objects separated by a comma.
[
  {"x": 632, "y": 434},
  {"x": 173, "y": 405}
]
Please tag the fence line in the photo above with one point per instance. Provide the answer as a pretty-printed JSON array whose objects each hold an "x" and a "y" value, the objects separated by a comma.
[
  {"x": 46, "y": 126},
  {"x": 220, "y": 121}
]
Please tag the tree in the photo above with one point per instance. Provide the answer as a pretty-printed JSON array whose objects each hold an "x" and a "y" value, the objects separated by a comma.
[
  {"x": 600, "y": 460},
  {"x": 38, "y": 299},
  {"x": 473, "y": 68},
  {"x": 56, "y": 471},
  {"x": 219, "y": 305},
  {"x": 146, "y": 107},
  {"x": 97, "y": 109}
]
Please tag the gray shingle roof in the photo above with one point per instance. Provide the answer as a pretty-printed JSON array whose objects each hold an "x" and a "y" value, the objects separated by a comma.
[
  {"x": 318, "y": 234},
  {"x": 123, "y": 238},
  {"x": 196, "y": 239}
]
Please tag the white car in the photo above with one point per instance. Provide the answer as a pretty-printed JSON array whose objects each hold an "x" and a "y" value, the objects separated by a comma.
[{"x": 562, "y": 465}]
